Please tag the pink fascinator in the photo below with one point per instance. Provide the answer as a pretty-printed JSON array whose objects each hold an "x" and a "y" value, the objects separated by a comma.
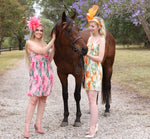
[{"x": 33, "y": 23}]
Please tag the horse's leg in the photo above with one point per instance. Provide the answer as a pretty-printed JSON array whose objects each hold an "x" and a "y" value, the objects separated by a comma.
[
  {"x": 64, "y": 83},
  {"x": 107, "y": 73},
  {"x": 77, "y": 96}
]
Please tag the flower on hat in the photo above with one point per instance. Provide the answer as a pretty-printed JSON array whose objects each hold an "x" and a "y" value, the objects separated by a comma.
[
  {"x": 33, "y": 23},
  {"x": 91, "y": 12}
]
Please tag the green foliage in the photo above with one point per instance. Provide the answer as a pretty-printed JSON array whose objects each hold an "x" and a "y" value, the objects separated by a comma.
[
  {"x": 48, "y": 27},
  {"x": 124, "y": 31},
  {"x": 13, "y": 20},
  {"x": 6, "y": 43},
  {"x": 53, "y": 9}
]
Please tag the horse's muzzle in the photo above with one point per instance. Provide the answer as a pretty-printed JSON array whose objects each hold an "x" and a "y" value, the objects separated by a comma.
[{"x": 84, "y": 50}]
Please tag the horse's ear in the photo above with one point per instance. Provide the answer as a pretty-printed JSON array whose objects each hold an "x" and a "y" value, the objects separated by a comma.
[
  {"x": 64, "y": 17},
  {"x": 73, "y": 16}
]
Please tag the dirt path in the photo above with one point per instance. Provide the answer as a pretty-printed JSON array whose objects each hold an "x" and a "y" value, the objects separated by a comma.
[{"x": 129, "y": 119}]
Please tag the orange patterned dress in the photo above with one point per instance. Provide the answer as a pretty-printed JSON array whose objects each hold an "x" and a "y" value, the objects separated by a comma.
[{"x": 93, "y": 69}]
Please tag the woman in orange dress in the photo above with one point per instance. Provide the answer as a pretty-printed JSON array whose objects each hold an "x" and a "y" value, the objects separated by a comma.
[{"x": 93, "y": 66}]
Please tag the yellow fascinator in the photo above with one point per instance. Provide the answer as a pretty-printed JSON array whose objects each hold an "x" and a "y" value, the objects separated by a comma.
[{"x": 91, "y": 12}]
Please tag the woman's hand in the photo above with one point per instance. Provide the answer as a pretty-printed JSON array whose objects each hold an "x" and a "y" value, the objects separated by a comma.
[
  {"x": 52, "y": 53},
  {"x": 53, "y": 36}
]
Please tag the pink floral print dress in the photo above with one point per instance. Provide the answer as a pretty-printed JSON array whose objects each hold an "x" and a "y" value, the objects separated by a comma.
[{"x": 40, "y": 75}]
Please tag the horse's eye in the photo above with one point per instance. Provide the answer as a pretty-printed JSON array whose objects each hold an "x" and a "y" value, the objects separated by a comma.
[{"x": 68, "y": 30}]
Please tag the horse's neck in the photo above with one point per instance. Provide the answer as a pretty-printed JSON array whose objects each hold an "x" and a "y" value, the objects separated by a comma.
[{"x": 85, "y": 34}]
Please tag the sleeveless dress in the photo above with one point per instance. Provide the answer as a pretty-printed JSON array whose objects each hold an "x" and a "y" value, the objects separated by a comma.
[
  {"x": 93, "y": 69},
  {"x": 40, "y": 75}
]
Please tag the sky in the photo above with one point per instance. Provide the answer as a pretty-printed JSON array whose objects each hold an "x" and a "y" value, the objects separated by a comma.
[{"x": 37, "y": 9}]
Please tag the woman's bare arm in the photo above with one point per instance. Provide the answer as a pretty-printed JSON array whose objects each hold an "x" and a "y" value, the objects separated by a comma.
[
  {"x": 100, "y": 57},
  {"x": 40, "y": 50},
  {"x": 52, "y": 53}
]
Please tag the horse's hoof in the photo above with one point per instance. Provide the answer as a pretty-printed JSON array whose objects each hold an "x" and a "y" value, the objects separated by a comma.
[
  {"x": 77, "y": 124},
  {"x": 106, "y": 114},
  {"x": 63, "y": 124}
]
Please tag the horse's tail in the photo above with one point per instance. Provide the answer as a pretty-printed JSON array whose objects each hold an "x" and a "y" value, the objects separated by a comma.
[
  {"x": 107, "y": 65},
  {"x": 106, "y": 87}
]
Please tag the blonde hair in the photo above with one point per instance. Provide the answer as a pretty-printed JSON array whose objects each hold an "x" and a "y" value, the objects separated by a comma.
[
  {"x": 102, "y": 30},
  {"x": 27, "y": 58}
]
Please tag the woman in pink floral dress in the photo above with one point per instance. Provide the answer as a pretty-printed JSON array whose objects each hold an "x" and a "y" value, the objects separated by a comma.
[{"x": 40, "y": 73}]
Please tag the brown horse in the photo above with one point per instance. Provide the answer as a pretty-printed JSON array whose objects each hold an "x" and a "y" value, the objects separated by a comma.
[{"x": 70, "y": 47}]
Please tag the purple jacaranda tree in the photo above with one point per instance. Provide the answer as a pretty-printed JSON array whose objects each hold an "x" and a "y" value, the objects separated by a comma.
[{"x": 137, "y": 11}]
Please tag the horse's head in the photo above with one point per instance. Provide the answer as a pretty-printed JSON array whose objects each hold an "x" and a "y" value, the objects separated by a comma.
[{"x": 68, "y": 35}]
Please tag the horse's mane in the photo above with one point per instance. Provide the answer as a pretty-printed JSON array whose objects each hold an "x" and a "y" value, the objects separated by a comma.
[
  {"x": 68, "y": 20},
  {"x": 54, "y": 28}
]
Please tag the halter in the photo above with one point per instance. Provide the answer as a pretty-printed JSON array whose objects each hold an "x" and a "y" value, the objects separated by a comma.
[
  {"x": 75, "y": 49},
  {"x": 72, "y": 42}
]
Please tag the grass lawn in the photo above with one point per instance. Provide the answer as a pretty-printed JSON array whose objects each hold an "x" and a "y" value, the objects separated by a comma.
[
  {"x": 10, "y": 59},
  {"x": 132, "y": 70}
]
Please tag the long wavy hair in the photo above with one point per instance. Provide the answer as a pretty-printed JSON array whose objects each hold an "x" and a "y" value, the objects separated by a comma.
[{"x": 32, "y": 36}]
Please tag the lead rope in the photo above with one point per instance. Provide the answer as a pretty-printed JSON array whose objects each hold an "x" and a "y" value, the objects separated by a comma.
[{"x": 81, "y": 62}]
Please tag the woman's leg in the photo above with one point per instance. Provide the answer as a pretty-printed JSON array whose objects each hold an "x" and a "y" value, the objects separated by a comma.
[
  {"x": 93, "y": 110},
  {"x": 29, "y": 113},
  {"x": 87, "y": 92},
  {"x": 40, "y": 111}
]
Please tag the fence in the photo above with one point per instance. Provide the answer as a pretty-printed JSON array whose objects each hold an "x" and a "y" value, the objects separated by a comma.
[{"x": 9, "y": 49}]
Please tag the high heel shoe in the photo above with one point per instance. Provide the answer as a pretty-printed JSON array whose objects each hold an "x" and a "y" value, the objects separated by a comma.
[
  {"x": 91, "y": 136},
  {"x": 26, "y": 135},
  {"x": 36, "y": 128}
]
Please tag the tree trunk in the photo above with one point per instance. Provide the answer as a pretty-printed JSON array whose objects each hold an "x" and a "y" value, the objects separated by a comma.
[
  {"x": 1, "y": 39},
  {"x": 145, "y": 26},
  {"x": 20, "y": 44},
  {"x": 0, "y": 46}
]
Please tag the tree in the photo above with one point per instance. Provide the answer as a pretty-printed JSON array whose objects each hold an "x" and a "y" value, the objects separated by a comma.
[
  {"x": 9, "y": 16},
  {"x": 137, "y": 10},
  {"x": 20, "y": 30},
  {"x": 48, "y": 27},
  {"x": 28, "y": 5},
  {"x": 53, "y": 9},
  {"x": 124, "y": 31},
  {"x": 13, "y": 19}
]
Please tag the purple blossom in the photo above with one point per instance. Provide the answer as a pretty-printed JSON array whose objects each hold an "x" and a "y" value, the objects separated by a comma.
[
  {"x": 133, "y": 1},
  {"x": 82, "y": 27},
  {"x": 105, "y": 15},
  {"x": 105, "y": 6},
  {"x": 135, "y": 21},
  {"x": 136, "y": 14},
  {"x": 117, "y": 1},
  {"x": 108, "y": 11},
  {"x": 80, "y": 3},
  {"x": 92, "y": 1},
  {"x": 83, "y": 24},
  {"x": 80, "y": 16},
  {"x": 75, "y": 6},
  {"x": 83, "y": 19},
  {"x": 110, "y": 2}
]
